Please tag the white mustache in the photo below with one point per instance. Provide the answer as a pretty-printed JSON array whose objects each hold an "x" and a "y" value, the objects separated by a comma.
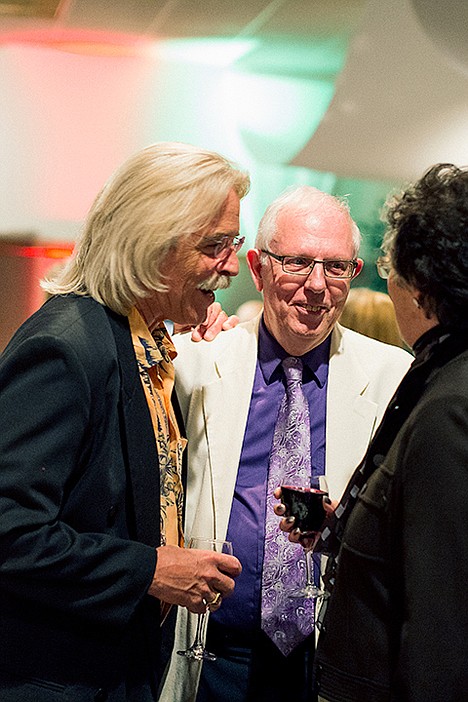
[{"x": 216, "y": 282}]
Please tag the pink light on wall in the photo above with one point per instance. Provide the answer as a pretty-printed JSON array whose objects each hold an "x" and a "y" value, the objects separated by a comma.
[
  {"x": 80, "y": 41},
  {"x": 81, "y": 113}
]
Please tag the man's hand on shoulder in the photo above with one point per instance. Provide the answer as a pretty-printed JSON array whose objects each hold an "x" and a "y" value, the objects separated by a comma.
[{"x": 216, "y": 321}]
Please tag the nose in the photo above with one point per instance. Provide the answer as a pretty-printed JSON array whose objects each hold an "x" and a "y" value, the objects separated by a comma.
[
  {"x": 316, "y": 280},
  {"x": 229, "y": 265}
]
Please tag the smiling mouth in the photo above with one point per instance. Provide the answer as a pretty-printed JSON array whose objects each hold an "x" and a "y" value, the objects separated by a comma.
[{"x": 313, "y": 308}]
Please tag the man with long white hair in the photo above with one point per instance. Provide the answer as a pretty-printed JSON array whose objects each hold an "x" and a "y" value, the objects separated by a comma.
[{"x": 91, "y": 442}]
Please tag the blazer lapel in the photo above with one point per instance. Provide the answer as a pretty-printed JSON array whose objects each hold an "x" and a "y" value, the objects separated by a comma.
[
  {"x": 138, "y": 438},
  {"x": 236, "y": 378},
  {"x": 350, "y": 416}
]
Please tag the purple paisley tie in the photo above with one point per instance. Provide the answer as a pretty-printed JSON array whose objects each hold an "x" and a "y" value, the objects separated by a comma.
[{"x": 286, "y": 620}]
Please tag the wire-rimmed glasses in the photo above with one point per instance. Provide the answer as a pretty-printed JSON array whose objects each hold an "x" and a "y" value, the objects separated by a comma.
[
  {"x": 302, "y": 265},
  {"x": 220, "y": 247},
  {"x": 384, "y": 266}
]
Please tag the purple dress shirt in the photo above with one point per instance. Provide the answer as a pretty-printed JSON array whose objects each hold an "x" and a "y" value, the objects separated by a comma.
[{"x": 246, "y": 527}]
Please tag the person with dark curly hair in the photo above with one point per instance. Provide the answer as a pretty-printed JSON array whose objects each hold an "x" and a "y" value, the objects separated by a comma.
[
  {"x": 395, "y": 628},
  {"x": 396, "y": 624}
]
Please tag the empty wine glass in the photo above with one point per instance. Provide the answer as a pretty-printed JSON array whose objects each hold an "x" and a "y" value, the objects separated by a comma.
[
  {"x": 306, "y": 506},
  {"x": 197, "y": 651}
]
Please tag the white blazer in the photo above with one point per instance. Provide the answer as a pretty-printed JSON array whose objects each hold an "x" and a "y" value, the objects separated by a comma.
[{"x": 214, "y": 382}]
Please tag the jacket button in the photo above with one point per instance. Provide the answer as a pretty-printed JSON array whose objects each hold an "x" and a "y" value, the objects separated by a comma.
[
  {"x": 101, "y": 695},
  {"x": 111, "y": 515}
]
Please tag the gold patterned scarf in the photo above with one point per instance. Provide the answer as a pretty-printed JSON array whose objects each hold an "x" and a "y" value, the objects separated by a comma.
[{"x": 154, "y": 353}]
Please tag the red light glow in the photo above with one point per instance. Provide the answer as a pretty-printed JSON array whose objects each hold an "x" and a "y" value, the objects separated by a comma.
[
  {"x": 81, "y": 41},
  {"x": 57, "y": 251}
]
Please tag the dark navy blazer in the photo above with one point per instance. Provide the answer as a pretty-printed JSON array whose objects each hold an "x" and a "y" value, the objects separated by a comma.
[{"x": 79, "y": 503}]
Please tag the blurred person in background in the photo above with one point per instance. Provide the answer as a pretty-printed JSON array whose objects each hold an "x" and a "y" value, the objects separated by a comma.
[
  {"x": 248, "y": 310},
  {"x": 371, "y": 312},
  {"x": 92, "y": 444},
  {"x": 396, "y": 626}
]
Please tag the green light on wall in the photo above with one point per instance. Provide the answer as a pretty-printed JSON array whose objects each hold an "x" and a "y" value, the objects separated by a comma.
[
  {"x": 322, "y": 57},
  {"x": 276, "y": 115},
  {"x": 263, "y": 99},
  {"x": 212, "y": 52}
]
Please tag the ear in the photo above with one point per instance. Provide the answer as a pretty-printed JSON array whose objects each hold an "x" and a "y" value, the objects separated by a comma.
[
  {"x": 255, "y": 267},
  {"x": 359, "y": 267}
]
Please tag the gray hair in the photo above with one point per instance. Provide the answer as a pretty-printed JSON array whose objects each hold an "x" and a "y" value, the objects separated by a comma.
[
  {"x": 159, "y": 195},
  {"x": 300, "y": 197}
]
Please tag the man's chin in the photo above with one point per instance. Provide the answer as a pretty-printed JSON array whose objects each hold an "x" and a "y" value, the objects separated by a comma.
[{"x": 210, "y": 296}]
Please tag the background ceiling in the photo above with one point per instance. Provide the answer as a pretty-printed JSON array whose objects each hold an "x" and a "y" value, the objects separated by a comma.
[
  {"x": 301, "y": 20},
  {"x": 401, "y": 99},
  {"x": 288, "y": 33}
]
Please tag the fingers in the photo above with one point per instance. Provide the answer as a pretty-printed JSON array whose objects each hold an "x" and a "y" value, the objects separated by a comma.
[
  {"x": 277, "y": 493},
  {"x": 231, "y": 322},
  {"x": 212, "y": 325},
  {"x": 215, "y": 603},
  {"x": 213, "y": 592},
  {"x": 216, "y": 321},
  {"x": 193, "y": 578},
  {"x": 198, "y": 332},
  {"x": 210, "y": 329},
  {"x": 329, "y": 505},
  {"x": 222, "y": 580},
  {"x": 288, "y": 525},
  {"x": 308, "y": 539},
  {"x": 279, "y": 509}
]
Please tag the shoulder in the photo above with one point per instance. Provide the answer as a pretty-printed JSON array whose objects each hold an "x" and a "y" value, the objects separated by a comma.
[
  {"x": 200, "y": 364},
  {"x": 374, "y": 355},
  {"x": 377, "y": 367},
  {"x": 434, "y": 437},
  {"x": 227, "y": 342},
  {"x": 448, "y": 386},
  {"x": 63, "y": 315},
  {"x": 65, "y": 326}
]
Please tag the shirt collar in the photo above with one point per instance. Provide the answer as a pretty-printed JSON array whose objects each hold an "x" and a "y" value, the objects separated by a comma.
[
  {"x": 150, "y": 348},
  {"x": 271, "y": 354}
]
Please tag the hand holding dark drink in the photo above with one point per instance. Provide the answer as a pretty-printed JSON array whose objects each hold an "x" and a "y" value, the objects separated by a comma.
[{"x": 306, "y": 506}]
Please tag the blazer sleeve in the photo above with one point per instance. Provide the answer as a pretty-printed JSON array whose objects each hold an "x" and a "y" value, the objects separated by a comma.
[
  {"x": 59, "y": 463},
  {"x": 429, "y": 529}
]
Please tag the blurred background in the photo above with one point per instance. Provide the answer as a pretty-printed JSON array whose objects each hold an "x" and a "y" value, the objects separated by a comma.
[{"x": 356, "y": 97}]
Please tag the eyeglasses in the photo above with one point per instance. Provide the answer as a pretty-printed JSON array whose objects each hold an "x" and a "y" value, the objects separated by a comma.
[
  {"x": 219, "y": 248},
  {"x": 383, "y": 266},
  {"x": 300, "y": 265}
]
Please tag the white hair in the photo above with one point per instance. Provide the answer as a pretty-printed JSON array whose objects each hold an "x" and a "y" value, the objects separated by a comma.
[
  {"x": 164, "y": 192},
  {"x": 303, "y": 198}
]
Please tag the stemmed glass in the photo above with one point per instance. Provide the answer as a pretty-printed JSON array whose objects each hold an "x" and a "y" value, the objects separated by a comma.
[
  {"x": 306, "y": 505},
  {"x": 197, "y": 651}
]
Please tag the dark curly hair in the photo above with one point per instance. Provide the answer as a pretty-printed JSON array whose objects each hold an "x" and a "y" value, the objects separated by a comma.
[{"x": 427, "y": 241}]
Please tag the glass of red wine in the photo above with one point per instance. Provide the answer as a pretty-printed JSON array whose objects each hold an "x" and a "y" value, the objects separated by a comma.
[{"x": 306, "y": 506}]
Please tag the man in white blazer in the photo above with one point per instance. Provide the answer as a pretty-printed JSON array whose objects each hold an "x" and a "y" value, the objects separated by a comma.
[{"x": 304, "y": 260}]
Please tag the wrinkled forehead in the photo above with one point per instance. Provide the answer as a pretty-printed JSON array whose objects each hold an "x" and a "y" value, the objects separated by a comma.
[{"x": 322, "y": 224}]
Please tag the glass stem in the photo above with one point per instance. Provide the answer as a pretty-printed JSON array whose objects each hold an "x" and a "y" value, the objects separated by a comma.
[
  {"x": 198, "y": 643},
  {"x": 310, "y": 580}
]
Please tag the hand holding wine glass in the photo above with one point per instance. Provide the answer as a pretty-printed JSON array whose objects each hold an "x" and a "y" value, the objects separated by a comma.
[
  {"x": 185, "y": 576},
  {"x": 305, "y": 507}
]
